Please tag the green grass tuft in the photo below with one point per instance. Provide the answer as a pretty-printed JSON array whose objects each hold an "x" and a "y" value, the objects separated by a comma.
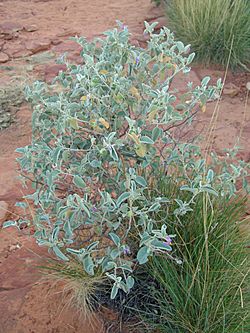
[
  {"x": 217, "y": 30},
  {"x": 207, "y": 293}
]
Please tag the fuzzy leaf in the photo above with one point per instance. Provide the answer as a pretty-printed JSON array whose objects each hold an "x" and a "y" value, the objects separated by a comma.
[
  {"x": 10, "y": 223},
  {"x": 85, "y": 208},
  {"x": 123, "y": 197},
  {"x": 103, "y": 71},
  {"x": 88, "y": 265},
  {"x": 134, "y": 137},
  {"x": 141, "y": 181},
  {"x": 152, "y": 115},
  {"x": 134, "y": 92},
  {"x": 130, "y": 282},
  {"x": 147, "y": 140},
  {"x": 156, "y": 133},
  {"x": 114, "y": 291},
  {"x": 78, "y": 181},
  {"x": 142, "y": 255},
  {"x": 113, "y": 154},
  {"x": 59, "y": 253},
  {"x": 161, "y": 245},
  {"x": 210, "y": 175},
  {"x": 73, "y": 123},
  {"x": 205, "y": 80},
  {"x": 115, "y": 238},
  {"x": 55, "y": 232},
  {"x": 154, "y": 207},
  {"x": 141, "y": 150},
  {"x": 104, "y": 123},
  {"x": 209, "y": 189}
]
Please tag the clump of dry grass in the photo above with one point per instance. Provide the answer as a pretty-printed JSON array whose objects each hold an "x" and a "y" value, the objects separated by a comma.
[{"x": 79, "y": 288}]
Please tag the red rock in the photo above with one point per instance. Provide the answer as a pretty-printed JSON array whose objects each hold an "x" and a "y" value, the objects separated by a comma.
[
  {"x": 1, "y": 44},
  {"x": 68, "y": 46},
  {"x": 139, "y": 40},
  {"x": 231, "y": 90},
  {"x": 3, "y": 57},
  {"x": 11, "y": 36},
  {"x": 154, "y": 13},
  {"x": 245, "y": 156},
  {"x": 22, "y": 53},
  {"x": 51, "y": 71},
  {"x": 56, "y": 41},
  {"x": 10, "y": 27},
  {"x": 9, "y": 30},
  {"x": 3, "y": 211},
  {"x": 19, "y": 270},
  {"x": 38, "y": 46},
  {"x": 68, "y": 33},
  {"x": 74, "y": 58},
  {"x": 15, "y": 50},
  {"x": 31, "y": 28},
  {"x": 162, "y": 21}
]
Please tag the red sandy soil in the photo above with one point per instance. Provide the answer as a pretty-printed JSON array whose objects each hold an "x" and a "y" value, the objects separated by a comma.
[{"x": 32, "y": 34}]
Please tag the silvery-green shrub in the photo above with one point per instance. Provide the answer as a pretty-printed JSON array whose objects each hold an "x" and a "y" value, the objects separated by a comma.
[{"x": 101, "y": 134}]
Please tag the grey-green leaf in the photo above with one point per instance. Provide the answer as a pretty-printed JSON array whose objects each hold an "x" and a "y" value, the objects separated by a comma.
[
  {"x": 205, "y": 80},
  {"x": 210, "y": 175},
  {"x": 130, "y": 282},
  {"x": 147, "y": 140},
  {"x": 142, "y": 255},
  {"x": 88, "y": 265},
  {"x": 156, "y": 133},
  {"x": 114, "y": 291},
  {"x": 9, "y": 224},
  {"x": 115, "y": 238},
  {"x": 141, "y": 181},
  {"x": 113, "y": 154},
  {"x": 124, "y": 196},
  {"x": 154, "y": 207},
  {"x": 59, "y": 253},
  {"x": 161, "y": 245},
  {"x": 78, "y": 181}
]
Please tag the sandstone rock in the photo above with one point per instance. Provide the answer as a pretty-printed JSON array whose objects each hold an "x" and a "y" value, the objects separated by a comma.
[
  {"x": 38, "y": 46},
  {"x": 3, "y": 57},
  {"x": 9, "y": 30},
  {"x": 67, "y": 46},
  {"x": 56, "y": 41},
  {"x": 154, "y": 13},
  {"x": 68, "y": 33},
  {"x": 11, "y": 36},
  {"x": 51, "y": 71},
  {"x": 162, "y": 21},
  {"x": 3, "y": 211},
  {"x": 31, "y": 28},
  {"x": 245, "y": 156},
  {"x": 17, "y": 273},
  {"x": 5, "y": 119},
  {"x": 14, "y": 247},
  {"x": 139, "y": 40},
  {"x": 2, "y": 42},
  {"x": 16, "y": 50},
  {"x": 22, "y": 53},
  {"x": 10, "y": 27},
  {"x": 75, "y": 58},
  {"x": 231, "y": 90},
  {"x": 41, "y": 57}
]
